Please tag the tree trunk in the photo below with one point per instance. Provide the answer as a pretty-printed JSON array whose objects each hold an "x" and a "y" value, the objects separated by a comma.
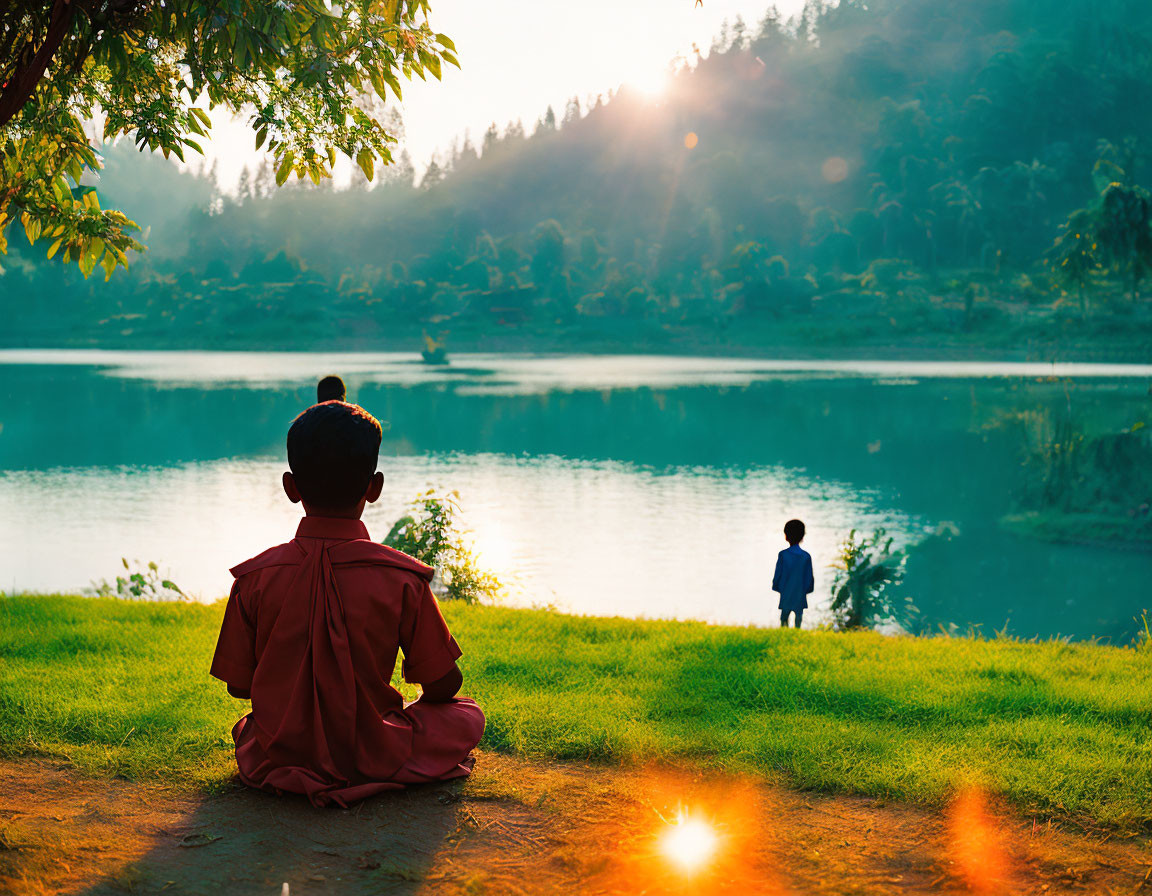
[{"x": 22, "y": 84}]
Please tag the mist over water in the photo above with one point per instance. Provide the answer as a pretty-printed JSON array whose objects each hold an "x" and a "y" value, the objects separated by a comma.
[{"x": 626, "y": 486}]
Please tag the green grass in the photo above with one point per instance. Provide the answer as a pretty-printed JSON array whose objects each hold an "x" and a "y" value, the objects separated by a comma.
[{"x": 1059, "y": 729}]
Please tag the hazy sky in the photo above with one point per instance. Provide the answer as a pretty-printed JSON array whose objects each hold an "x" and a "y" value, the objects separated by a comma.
[{"x": 518, "y": 56}]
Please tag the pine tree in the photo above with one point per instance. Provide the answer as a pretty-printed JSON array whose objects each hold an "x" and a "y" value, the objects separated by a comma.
[
  {"x": 433, "y": 176},
  {"x": 572, "y": 111},
  {"x": 468, "y": 154},
  {"x": 491, "y": 138},
  {"x": 244, "y": 185},
  {"x": 771, "y": 26},
  {"x": 739, "y": 34},
  {"x": 402, "y": 172}
]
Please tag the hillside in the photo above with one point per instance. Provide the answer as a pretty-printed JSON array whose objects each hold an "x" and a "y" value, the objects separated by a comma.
[{"x": 866, "y": 175}]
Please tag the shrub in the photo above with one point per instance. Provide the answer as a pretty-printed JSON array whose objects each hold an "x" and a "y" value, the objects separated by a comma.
[
  {"x": 431, "y": 535},
  {"x": 864, "y": 590},
  {"x": 144, "y": 584}
]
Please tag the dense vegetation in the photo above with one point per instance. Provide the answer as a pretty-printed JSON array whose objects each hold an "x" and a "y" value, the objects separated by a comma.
[
  {"x": 890, "y": 171},
  {"x": 1058, "y": 728}
]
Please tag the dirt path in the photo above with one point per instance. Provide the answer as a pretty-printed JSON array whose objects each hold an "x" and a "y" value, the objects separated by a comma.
[{"x": 521, "y": 827}]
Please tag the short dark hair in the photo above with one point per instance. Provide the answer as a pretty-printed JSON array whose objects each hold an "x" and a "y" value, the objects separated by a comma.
[
  {"x": 333, "y": 449},
  {"x": 331, "y": 388},
  {"x": 794, "y": 531}
]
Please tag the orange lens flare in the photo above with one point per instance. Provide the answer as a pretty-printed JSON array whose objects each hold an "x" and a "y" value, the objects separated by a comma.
[
  {"x": 689, "y": 842},
  {"x": 977, "y": 844}
]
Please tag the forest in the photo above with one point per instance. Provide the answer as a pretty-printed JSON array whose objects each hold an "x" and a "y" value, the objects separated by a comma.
[{"x": 872, "y": 174}]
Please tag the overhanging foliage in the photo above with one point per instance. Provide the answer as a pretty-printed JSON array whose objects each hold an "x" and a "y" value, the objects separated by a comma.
[{"x": 307, "y": 73}]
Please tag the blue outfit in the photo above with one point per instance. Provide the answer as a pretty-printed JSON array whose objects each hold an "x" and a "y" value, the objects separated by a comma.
[{"x": 793, "y": 578}]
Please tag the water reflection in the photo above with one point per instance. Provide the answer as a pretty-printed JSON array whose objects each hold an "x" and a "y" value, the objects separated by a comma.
[
  {"x": 637, "y": 486},
  {"x": 595, "y": 537}
]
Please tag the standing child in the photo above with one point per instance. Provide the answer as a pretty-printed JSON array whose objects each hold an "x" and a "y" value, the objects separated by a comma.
[
  {"x": 793, "y": 579},
  {"x": 311, "y": 633}
]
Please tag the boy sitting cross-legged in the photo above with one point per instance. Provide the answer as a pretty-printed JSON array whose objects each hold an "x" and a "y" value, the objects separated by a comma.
[{"x": 311, "y": 633}]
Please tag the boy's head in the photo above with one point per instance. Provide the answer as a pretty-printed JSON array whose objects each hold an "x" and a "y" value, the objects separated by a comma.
[
  {"x": 794, "y": 531},
  {"x": 331, "y": 388},
  {"x": 333, "y": 449}
]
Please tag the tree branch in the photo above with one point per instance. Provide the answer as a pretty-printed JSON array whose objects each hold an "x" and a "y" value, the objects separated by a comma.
[{"x": 22, "y": 84}]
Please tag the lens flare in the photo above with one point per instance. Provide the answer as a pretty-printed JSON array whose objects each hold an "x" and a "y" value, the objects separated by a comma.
[
  {"x": 978, "y": 845},
  {"x": 834, "y": 170},
  {"x": 689, "y": 842}
]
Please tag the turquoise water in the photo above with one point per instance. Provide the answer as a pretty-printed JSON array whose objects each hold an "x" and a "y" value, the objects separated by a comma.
[{"x": 640, "y": 486}]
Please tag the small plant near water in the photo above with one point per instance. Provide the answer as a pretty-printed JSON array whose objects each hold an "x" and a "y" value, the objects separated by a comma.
[
  {"x": 868, "y": 575},
  {"x": 145, "y": 583},
  {"x": 431, "y": 535}
]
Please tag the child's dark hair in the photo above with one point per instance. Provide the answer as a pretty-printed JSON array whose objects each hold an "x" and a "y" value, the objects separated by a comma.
[
  {"x": 331, "y": 388},
  {"x": 794, "y": 531},
  {"x": 333, "y": 449}
]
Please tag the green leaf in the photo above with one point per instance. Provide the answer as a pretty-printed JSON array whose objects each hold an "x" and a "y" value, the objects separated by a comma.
[
  {"x": 367, "y": 162},
  {"x": 87, "y": 263},
  {"x": 284, "y": 169},
  {"x": 377, "y": 83},
  {"x": 109, "y": 265},
  {"x": 31, "y": 227}
]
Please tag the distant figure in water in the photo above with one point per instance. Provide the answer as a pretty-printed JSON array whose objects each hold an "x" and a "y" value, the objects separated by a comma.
[
  {"x": 331, "y": 388},
  {"x": 311, "y": 633},
  {"x": 793, "y": 579}
]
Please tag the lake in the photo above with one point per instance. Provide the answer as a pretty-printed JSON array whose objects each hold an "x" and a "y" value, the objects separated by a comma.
[{"x": 636, "y": 486}]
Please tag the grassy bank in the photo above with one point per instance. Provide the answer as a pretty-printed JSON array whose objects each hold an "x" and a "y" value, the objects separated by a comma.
[{"x": 1063, "y": 729}]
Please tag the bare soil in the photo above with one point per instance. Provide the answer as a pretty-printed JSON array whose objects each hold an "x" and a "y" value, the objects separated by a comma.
[{"x": 526, "y": 827}]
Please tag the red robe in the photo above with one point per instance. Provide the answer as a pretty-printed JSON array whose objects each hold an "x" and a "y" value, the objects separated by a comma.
[{"x": 312, "y": 630}]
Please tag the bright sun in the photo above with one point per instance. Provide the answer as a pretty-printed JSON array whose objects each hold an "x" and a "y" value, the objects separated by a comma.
[
  {"x": 651, "y": 83},
  {"x": 689, "y": 842}
]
